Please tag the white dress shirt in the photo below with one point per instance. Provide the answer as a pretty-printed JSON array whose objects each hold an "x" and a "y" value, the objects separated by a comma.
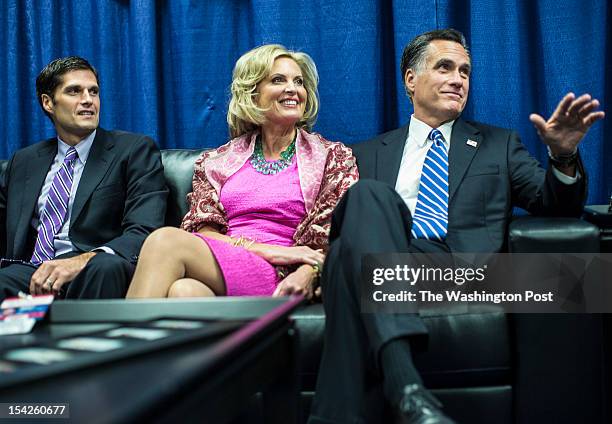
[{"x": 415, "y": 150}]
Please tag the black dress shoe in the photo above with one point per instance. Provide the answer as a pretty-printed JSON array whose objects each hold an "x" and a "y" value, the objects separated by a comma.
[{"x": 418, "y": 406}]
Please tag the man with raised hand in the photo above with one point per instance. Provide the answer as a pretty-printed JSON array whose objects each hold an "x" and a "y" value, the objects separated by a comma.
[{"x": 437, "y": 185}]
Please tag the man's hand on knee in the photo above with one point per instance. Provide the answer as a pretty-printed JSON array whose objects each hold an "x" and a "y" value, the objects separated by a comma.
[{"x": 52, "y": 275}]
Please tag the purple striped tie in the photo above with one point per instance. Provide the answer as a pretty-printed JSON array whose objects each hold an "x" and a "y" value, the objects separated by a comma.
[{"x": 54, "y": 213}]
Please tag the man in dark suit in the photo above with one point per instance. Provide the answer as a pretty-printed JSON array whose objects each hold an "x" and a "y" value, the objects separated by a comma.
[
  {"x": 442, "y": 185},
  {"x": 75, "y": 209}
]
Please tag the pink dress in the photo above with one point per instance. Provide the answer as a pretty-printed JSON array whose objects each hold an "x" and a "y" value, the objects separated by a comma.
[{"x": 265, "y": 208}]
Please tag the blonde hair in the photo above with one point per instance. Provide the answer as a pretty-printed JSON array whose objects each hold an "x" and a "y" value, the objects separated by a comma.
[{"x": 243, "y": 114}]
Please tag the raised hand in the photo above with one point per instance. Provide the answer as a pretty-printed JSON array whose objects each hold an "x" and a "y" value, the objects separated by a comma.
[{"x": 568, "y": 124}]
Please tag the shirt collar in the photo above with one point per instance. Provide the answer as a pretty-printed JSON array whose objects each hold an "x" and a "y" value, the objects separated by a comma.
[
  {"x": 419, "y": 130},
  {"x": 82, "y": 147}
]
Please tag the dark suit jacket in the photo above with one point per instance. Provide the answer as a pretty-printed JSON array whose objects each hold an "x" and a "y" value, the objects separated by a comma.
[
  {"x": 120, "y": 199},
  {"x": 485, "y": 182}
]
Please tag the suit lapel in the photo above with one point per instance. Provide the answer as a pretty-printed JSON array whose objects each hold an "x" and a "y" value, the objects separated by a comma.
[
  {"x": 99, "y": 159},
  {"x": 461, "y": 153},
  {"x": 37, "y": 169},
  {"x": 389, "y": 156}
]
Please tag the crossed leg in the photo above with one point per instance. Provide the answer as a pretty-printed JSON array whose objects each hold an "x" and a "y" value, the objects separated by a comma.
[{"x": 175, "y": 263}]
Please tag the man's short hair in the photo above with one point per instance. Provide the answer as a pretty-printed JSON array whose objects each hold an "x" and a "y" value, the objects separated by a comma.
[
  {"x": 243, "y": 114},
  {"x": 51, "y": 76},
  {"x": 414, "y": 54}
]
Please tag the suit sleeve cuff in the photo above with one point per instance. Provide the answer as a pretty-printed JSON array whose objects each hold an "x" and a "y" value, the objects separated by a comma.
[
  {"x": 565, "y": 179},
  {"x": 105, "y": 249}
]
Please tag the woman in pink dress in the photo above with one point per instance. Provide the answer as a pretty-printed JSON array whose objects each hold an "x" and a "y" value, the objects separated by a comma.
[{"x": 261, "y": 204}]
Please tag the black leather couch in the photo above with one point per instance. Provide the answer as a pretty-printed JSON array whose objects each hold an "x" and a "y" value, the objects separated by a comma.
[{"x": 485, "y": 366}]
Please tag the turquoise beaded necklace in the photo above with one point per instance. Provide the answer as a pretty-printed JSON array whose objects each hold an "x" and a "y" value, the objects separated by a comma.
[{"x": 273, "y": 167}]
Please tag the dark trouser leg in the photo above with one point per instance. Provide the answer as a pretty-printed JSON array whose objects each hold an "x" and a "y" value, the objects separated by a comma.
[
  {"x": 105, "y": 276},
  {"x": 15, "y": 278},
  {"x": 371, "y": 218}
]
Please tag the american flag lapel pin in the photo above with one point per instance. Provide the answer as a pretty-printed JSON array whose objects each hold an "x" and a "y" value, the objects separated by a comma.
[{"x": 471, "y": 143}]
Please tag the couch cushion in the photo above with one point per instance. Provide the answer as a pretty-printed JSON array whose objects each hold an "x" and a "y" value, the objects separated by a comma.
[
  {"x": 468, "y": 346},
  {"x": 178, "y": 170},
  {"x": 310, "y": 323}
]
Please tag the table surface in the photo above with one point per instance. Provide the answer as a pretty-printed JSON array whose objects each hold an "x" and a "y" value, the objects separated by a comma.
[{"x": 211, "y": 374}]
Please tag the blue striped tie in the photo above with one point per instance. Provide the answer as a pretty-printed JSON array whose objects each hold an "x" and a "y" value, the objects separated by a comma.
[
  {"x": 54, "y": 213},
  {"x": 430, "y": 219}
]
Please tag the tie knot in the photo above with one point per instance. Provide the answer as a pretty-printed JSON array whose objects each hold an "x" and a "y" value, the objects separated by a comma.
[
  {"x": 436, "y": 136},
  {"x": 71, "y": 155}
]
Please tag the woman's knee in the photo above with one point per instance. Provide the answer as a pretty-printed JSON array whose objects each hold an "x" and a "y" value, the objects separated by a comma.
[
  {"x": 165, "y": 239},
  {"x": 188, "y": 287}
]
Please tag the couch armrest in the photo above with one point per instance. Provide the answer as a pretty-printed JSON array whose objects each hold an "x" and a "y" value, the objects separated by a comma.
[
  {"x": 548, "y": 345},
  {"x": 531, "y": 234}
]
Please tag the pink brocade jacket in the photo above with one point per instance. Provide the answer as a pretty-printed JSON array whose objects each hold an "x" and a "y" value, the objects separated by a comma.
[{"x": 326, "y": 169}]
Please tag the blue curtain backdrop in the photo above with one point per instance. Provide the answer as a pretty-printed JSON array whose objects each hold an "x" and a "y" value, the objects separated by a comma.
[{"x": 165, "y": 66}]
